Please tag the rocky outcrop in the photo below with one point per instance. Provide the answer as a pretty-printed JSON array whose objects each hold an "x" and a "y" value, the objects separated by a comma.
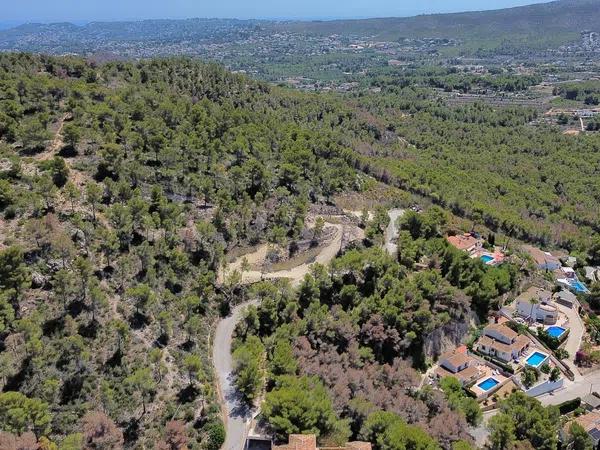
[{"x": 446, "y": 338}]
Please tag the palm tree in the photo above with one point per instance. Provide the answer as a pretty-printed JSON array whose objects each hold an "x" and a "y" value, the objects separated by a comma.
[{"x": 534, "y": 301}]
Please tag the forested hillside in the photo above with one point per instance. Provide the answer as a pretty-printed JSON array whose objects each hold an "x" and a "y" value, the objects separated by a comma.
[
  {"x": 121, "y": 188},
  {"x": 492, "y": 165},
  {"x": 511, "y": 30},
  {"x": 124, "y": 187},
  {"x": 342, "y": 349}
]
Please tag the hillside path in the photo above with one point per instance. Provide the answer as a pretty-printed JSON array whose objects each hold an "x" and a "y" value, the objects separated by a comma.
[{"x": 237, "y": 415}]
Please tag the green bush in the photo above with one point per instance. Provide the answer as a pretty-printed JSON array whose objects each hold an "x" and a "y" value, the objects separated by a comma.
[
  {"x": 569, "y": 405},
  {"x": 10, "y": 212},
  {"x": 550, "y": 341},
  {"x": 216, "y": 435}
]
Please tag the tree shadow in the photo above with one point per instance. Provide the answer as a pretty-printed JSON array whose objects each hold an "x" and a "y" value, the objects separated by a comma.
[
  {"x": 188, "y": 394},
  {"x": 31, "y": 151},
  {"x": 161, "y": 341},
  {"x": 137, "y": 239},
  {"x": 131, "y": 431},
  {"x": 68, "y": 151},
  {"x": 52, "y": 326},
  {"x": 115, "y": 359},
  {"x": 14, "y": 382},
  {"x": 187, "y": 346},
  {"x": 71, "y": 389},
  {"x": 89, "y": 330},
  {"x": 138, "y": 321},
  {"x": 75, "y": 308},
  {"x": 174, "y": 288}
]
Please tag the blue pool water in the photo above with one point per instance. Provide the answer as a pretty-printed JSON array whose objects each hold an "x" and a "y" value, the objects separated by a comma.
[
  {"x": 555, "y": 331},
  {"x": 488, "y": 384},
  {"x": 579, "y": 286},
  {"x": 536, "y": 359},
  {"x": 486, "y": 258}
]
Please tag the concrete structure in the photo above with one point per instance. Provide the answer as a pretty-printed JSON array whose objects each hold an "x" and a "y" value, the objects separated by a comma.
[
  {"x": 258, "y": 443},
  {"x": 592, "y": 273},
  {"x": 545, "y": 387},
  {"x": 543, "y": 260},
  {"x": 501, "y": 342},
  {"x": 458, "y": 364},
  {"x": 536, "y": 304},
  {"x": 309, "y": 442},
  {"x": 570, "y": 261},
  {"x": 567, "y": 298},
  {"x": 591, "y": 401}
]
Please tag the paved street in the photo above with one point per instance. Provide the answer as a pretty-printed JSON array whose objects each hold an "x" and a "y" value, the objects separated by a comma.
[{"x": 238, "y": 415}]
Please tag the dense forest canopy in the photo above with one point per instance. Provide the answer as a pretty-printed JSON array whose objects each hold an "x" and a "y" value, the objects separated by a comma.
[
  {"x": 113, "y": 233},
  {"x": 489, "y": 164},
  {"x": 125, "y": 186}
]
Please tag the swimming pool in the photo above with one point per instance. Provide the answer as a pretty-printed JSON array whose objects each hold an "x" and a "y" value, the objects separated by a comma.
[
  {"x": 556, "y": 331},
  {"x": 487, "y": 258},
  {"x": 578, "y": 286},
  {"x": 536, "y": 359},
  {"x": 488, "y": 384}
]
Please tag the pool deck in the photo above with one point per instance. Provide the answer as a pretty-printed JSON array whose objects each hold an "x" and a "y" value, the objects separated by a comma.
[
  {"x": 533, "y": 352},
  {"x": 487, "y": 372}
]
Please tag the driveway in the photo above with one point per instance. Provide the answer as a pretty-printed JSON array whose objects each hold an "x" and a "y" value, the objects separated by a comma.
[
  {"x": 574, "y": 339},
  {"x": 237, "y": 415},
  {"x": 573, "y": 389}
]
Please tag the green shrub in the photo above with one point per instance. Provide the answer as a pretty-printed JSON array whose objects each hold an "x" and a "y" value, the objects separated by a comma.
[
  {"x": 569, "y": 405},
  {"x": 216, "y": 435},
  {"x": 10, "y": 212}
]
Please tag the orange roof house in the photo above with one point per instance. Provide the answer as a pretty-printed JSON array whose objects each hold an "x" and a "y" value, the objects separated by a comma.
[
  {"x": 466, "y": 242},
  {"x": 309, "y": 442}
]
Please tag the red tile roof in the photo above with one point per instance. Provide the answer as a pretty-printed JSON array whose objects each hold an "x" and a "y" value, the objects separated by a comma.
[{"x": 462, "y": 241}]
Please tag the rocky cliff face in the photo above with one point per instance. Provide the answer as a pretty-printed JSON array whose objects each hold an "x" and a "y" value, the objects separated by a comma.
[{"x": 446, "y": 338}]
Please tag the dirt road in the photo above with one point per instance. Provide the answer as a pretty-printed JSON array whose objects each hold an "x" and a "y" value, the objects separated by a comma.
[
  {"x": 391, "y": 232},
  {"x": 296, "y": 274},
  {"x": 237, "y": 415}
]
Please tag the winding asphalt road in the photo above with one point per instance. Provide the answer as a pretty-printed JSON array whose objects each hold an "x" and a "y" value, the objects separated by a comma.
[{"x": 237, "y": 415}]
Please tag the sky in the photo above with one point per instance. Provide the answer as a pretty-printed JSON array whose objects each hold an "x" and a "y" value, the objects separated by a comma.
[{"x": 110, "y": 10}]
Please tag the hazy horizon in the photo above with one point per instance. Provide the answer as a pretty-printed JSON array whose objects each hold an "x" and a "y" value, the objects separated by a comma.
[{"x": 29, "y": 11}]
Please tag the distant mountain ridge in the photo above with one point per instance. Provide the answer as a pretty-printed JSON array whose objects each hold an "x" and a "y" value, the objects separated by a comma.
[
  {"x": 536, "y": 27},
  {"x": 552, "y": 23}
]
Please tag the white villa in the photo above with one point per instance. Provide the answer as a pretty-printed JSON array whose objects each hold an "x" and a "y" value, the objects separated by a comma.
[
  {"x": 503, "y": 343},
  {"x": 536, "y": 304}
]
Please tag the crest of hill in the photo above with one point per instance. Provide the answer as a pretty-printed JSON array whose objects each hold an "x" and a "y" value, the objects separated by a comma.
[{"x": 534, "y": 26}]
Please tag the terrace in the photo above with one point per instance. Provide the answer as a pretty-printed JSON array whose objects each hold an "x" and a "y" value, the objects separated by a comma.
[
  {"x": 494, "y": 258},
  {"x": 490, "y": 381},
  {"x": 566, "y": 277}
]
